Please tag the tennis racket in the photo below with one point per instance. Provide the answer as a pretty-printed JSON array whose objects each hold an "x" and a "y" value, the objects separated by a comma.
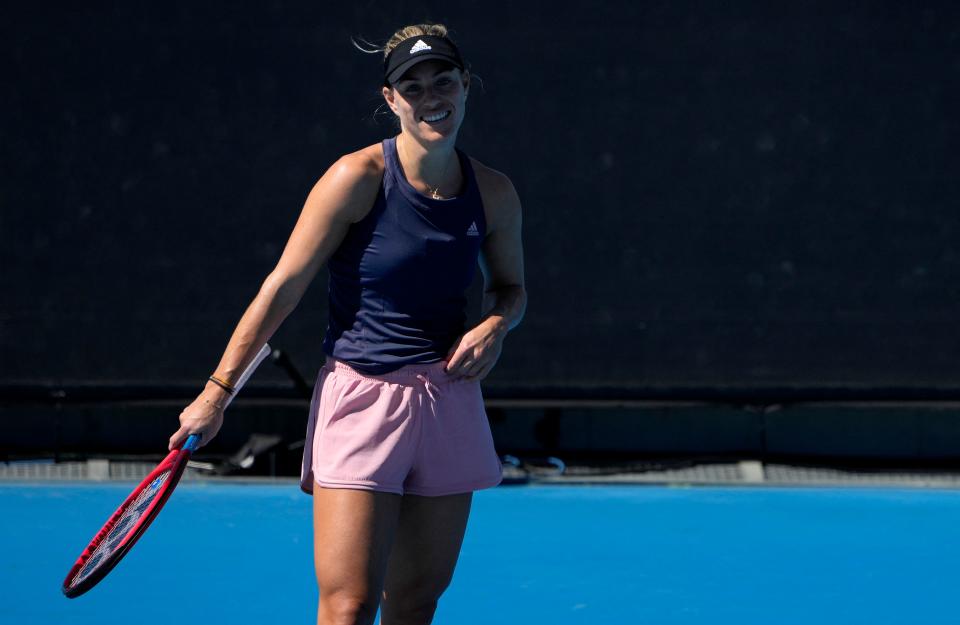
[{"x": 141, "y": 507}]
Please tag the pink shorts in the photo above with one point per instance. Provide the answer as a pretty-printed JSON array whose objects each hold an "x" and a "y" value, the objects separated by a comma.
[{"x": 413, "y": 431}]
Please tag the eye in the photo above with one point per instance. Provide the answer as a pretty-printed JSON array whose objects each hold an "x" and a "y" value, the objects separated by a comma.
[{"x": 411, "y": 89}]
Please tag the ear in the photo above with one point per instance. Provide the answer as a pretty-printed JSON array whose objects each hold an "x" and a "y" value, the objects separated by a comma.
[
  {"x": 390, "y": 96},
  {"x": 466, "y": 82}
]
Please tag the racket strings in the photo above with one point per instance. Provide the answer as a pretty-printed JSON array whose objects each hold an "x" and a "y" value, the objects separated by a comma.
[{"x": 120, "y": 530}]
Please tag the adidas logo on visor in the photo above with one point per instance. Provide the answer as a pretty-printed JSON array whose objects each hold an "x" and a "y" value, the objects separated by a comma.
[{"x": 420, "y": 46}]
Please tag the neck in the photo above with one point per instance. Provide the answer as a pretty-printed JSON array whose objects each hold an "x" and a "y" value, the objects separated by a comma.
[{"x": 428, "y": 168}]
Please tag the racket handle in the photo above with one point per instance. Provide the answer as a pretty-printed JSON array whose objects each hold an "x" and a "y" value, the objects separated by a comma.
[{"x": 192, "y": 441}]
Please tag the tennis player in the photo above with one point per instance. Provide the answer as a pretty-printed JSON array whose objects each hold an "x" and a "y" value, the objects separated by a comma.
[{"x": 397, "y": 438}]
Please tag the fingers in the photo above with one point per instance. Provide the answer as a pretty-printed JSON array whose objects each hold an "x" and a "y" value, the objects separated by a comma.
[
  {"x": 470, "y": 361},
  {"x": 473, "y": 369},
  {"x": 203, "y": 417},
  {"x": 480, "y": 371},
  {"x": 181, "y": 436},
  {"x": 485, "y": 370},
  {"x": 458, "y": 365},
  {"x": 454, "y": 360},
  {"x": 467, "y": 364},
  {"x": 178, "y": 437}
]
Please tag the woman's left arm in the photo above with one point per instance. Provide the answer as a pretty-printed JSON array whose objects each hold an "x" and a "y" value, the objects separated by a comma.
[{"x": 475, "y": 353}]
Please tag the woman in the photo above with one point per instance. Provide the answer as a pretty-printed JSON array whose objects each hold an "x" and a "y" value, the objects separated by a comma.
[{"x": 397, "y": 438}]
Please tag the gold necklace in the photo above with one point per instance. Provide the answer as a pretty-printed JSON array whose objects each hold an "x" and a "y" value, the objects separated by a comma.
[{"x": 435, "y": 190}]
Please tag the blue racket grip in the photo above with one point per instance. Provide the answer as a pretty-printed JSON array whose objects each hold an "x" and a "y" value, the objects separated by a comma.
[{"x": 192, "y": 442}]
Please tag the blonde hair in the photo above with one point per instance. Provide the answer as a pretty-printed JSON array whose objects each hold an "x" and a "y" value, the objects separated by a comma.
[{"x": 414, "y": 30}]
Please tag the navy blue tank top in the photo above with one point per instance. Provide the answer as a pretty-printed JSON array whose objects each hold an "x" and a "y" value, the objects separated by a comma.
[{"x": 398, "y": 280}]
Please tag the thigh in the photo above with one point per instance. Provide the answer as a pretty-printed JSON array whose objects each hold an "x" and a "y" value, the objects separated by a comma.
[
  {"x": 425, "y": 551},
  {"x": 353, "y": 534}
]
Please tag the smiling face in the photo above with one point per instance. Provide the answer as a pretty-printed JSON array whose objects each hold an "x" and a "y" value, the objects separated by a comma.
[{"x": 430, "y": 100}]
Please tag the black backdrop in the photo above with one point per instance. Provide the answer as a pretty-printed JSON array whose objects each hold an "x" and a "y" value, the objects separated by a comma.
[{"x": 724, "y": 195}]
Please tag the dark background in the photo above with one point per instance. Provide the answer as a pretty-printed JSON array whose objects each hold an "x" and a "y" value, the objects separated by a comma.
[{"x": 716, "y": 195}]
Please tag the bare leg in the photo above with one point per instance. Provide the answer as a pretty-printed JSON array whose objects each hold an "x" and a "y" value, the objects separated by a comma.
[
  {"x": 353, "y": 533},
  {"x": 423, "y": 558}
]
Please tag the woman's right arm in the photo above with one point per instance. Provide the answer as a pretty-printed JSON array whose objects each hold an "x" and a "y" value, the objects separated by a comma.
[{"x": 341, "y": 197}]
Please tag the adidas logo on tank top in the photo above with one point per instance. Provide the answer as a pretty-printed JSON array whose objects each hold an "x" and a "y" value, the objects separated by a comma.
[{"x": 472, "y": 230}]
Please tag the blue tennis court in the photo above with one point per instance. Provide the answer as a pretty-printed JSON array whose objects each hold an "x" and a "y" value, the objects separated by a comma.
[{"x": 241, "y": 553}]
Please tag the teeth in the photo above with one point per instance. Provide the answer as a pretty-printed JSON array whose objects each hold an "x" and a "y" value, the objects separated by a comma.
[{"x": 437, "y": 117}]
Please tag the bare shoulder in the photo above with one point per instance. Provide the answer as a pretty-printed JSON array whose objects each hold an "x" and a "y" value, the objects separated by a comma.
[
  {"x": 355, "y": 179},
  {"x": 500, "y": 199},
  {"x": 363, "y": 168},
  {"x": 364, "y": 163}
]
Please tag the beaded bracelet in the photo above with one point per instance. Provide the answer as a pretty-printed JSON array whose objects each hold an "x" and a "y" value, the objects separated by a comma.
[{"x": 229, "y": 389}]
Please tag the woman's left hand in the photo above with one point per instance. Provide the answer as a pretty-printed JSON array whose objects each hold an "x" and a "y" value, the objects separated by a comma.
[{"x": 475, "y": 353}]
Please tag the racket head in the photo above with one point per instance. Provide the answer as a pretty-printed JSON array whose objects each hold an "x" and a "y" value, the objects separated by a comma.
[{"x": 128, "y": 523}]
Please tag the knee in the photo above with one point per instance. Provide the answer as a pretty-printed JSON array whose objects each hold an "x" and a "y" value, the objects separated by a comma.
[
  {"x": 413, "y": 606},
  {"x": 342, "y": 608}
]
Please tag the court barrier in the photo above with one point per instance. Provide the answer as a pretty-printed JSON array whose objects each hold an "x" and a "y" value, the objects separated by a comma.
[{"x": 740, "y": 473}]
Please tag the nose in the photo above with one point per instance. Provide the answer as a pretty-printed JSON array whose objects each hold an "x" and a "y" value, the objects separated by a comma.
[{"x": 430, "y": 95}]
